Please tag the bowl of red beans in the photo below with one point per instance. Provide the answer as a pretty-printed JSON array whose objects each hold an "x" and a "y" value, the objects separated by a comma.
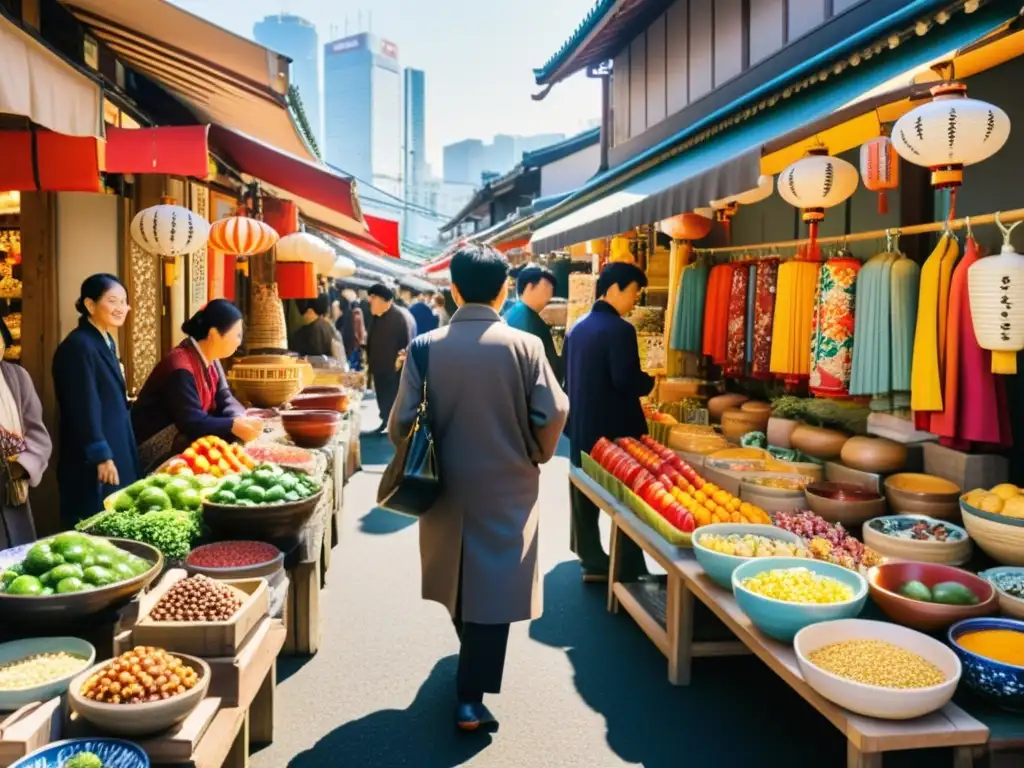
[{"x": 227, "y": 560}]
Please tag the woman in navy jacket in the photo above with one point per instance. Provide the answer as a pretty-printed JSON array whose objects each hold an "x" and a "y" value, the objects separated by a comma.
[{"x": 98, "y": 454}]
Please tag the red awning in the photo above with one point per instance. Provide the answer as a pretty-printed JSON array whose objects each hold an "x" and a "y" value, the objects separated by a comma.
[
  {"x": 38, "y": 160},
  {"x": 386, "y": 233},
  {"x": 177, "y": 150}
]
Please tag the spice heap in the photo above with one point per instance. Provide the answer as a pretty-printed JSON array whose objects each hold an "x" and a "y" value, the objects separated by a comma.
[
  {"x": 876, "y": 662},
  {"x": 751, "y": 546},
  {"x": 1011, "y": 583},
  {"x": 232, "y": 554},
  {"x": 197, "y": 598},
  {"x": 141, "y": 675},
  {"x": 39, "y": 669},
  {"x": 827, "y": 542},
  {"x": 798, "y": 585}
]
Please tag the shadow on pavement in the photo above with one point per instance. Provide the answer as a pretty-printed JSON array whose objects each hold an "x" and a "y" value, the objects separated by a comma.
[
  {"x": 421, "y": 736},
  {"x": 380, "y": 522},
  {"x": 375, "y": 449}
]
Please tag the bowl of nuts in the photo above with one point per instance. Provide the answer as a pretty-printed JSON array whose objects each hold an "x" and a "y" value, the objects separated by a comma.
[
  {"x": 40, "y": 668},
  {"x": 141, "y": 692}
]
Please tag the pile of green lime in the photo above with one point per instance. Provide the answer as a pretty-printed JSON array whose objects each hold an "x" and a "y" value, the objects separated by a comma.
[
  {"x": 70, "y": 562},
  {"x": 946, "y": 593},
  {"x": 267, "y": 484},
  {"x": 162, "y": 491}
]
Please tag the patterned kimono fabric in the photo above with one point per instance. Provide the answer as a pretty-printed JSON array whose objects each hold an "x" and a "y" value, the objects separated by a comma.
[
  {"x": 764, "y": 315},
  {"x": 736, "y": 337},
  {"x": 927, "y": 375},
  {"x": 832, "y": 339}
]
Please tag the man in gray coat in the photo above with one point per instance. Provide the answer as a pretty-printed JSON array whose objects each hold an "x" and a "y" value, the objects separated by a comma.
[{"x": 497, "y": 411}]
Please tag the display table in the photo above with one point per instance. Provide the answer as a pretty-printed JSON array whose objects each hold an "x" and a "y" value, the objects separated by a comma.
[
  {"x": 867, "y": 738},
  {"x": 29, "y": 728}
]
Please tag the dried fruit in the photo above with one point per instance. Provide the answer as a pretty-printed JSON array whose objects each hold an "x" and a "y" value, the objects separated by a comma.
[{"x": 197, "y": 598}]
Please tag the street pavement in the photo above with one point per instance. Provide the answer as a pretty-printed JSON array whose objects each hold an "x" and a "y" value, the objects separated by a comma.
[{"x": 582, "y": 687}]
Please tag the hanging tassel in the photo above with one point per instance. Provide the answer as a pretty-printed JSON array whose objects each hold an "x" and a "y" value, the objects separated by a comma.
[{"x": 883, "y": 203}]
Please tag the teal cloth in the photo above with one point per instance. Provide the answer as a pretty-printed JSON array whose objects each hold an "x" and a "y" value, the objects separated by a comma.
[
  {"x": 521, "y": 316},
  {"x": 688, "y": 319}
]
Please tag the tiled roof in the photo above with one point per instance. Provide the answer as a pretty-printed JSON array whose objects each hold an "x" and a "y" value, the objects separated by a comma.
[{"x": 554, "y": 152}]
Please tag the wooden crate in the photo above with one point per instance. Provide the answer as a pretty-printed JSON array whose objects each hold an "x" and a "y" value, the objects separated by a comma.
[
  {"x": 302, "y": 614},
  {"x": 29, "y": 728},
  {"x": 203, "y": 638},
  {"x": 237, "y": 680}
]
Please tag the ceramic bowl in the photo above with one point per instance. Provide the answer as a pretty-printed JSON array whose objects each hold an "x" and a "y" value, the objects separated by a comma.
[
  {"x": 885, "y": 580},
  {"x": 1008, "y": 604},
  {"x": 20, "y": 649},
  {"x": 754, "y": 480},
  {"x": 844, "y": 491},
  {"x": 1002, "y": 684},
  {"x": 261, "y": 522},
  {"x": 956, "y": 550},
  {"x": 998, "y": 536},
  {"x": 113, "y": 752},
  {"x": 139, "y": 719},
  {"x": 849, "y": 510},
  {"x": 323, "y": 389},
  {"x": 255, "y": 571},
  {"x": 874, "y": 700},
  {"x": 320, "y": 402},
  {"x": 311, "y": 429},
  {"x": 912, "y": 493},
  {"x": 782, "y": 620},
  {"x": 718, "y": 566},
  {"x": 874, "y": 454}
]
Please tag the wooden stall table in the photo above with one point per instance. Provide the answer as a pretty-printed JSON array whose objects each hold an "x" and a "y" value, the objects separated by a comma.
[{"x": 29, "y": 728}]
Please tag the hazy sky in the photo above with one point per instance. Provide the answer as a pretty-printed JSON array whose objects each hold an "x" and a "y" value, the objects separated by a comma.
[{"x": 478, "y": 56}]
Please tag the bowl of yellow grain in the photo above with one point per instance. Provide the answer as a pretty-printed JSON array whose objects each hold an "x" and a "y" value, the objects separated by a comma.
[{"x": 877, "y": 668}]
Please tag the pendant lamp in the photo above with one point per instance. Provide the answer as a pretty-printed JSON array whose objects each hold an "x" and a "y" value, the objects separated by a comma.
[
  {"x": 949, "y": 132},
  {"x": 686, "y": 226},
  {"x": 342, "y": 267},
  {"x": 763, "y": 190},
  {"x": 242, "y": 236},
  {"x": 814, "y": 183},
  {"x": 707, "y": 213},
  {"x": 996, "y": 288},
  {"x": 169, "y": 230},
  {"x": 302, "y": 246},
  {"x": 880, "y": 168}
]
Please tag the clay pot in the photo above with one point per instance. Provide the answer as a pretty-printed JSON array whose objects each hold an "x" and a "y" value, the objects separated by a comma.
[
  {"x": 780, "y": 431},
  {"x": 736, "y": 423},
  {"x": 310, "y": 429},
  {"x": 874, "y": 454},
  {"x": 320, "y": 402},
  {"x": 719, "y": 404},
  {"x": 821, "y": 443},
  {"x": 756, "y": 406}
]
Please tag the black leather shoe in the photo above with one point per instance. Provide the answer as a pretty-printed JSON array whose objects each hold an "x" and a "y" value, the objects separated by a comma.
[{"x": 472, "y": 716}]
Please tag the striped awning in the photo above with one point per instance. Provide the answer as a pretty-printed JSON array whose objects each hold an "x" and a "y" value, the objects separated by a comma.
[{"x": 223, "y": 78}]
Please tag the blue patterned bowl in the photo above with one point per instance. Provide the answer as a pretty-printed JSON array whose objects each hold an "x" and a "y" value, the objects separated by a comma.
[
  {"x": 114, "y": 753},
  {"x": 1002, "y": 684}
]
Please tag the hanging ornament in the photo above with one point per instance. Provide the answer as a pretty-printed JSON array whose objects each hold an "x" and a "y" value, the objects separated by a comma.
[
  {"x": 342, "y": 267},
  {"x": 814, "y": 183},
  {"x": 302, "y": 246},
  {"x": 996, "y": 288},
  {"x": 169, "y": 230},
  {"x": 687, "y": 226},
  {"x": 242, "y": 236},
  {"x": 763, "y": 190},
  {"x": 880, "y": 168},
  {"x": 949, "y": 132},
  {"x": 621, "y": 250}
]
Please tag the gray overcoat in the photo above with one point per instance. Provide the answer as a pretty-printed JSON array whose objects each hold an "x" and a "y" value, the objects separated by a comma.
[{"x": 497, "y": 414}]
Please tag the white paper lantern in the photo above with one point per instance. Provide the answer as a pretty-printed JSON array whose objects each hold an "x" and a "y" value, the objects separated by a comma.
[
  {"x": 996, "y": 288},
  {"x": 949, "y": 132},
  {"x": 816, "y": 182},
  {"x": 342, "y": 267},
  {"x": 169, "y": 230},
  {"x": 763, "y": 190},
  {"x": 302, "y": 246}
]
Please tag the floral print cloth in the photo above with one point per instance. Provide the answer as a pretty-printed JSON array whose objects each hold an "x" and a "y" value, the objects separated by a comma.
[
  {"x": 832, "y": 332},
  {"x": 736, "y": 336},
  {"x": 764, "y": 316}
]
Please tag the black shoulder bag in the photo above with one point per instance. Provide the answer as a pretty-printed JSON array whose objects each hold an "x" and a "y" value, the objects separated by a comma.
[{"x": 411, "y": 484}]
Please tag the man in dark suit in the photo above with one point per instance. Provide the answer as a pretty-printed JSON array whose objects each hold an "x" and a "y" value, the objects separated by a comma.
[
  {"x": 389, "y": 337},
  {"x": 604, "y": 382}
]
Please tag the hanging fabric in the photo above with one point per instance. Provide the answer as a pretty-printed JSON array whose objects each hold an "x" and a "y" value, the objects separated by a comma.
[
  {"x": 794, "y": 319},
  {"x": 688, "y": 327},
  {"x": 832, "y": 337},
  {"x": 871, "y": 371},
  {"x": 904, "y": 287},
  {"x": 749, "y": 329},
  {"x": 716, "y": 316},
  {"x": 764, "y": 315},
  {"x": 926, "y": 376},
  {"x": 736, "y": 339}
]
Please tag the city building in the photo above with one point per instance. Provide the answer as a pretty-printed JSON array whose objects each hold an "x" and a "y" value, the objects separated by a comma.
[
  {"x": 296, "y": 38},
  {"x": 467, "y": 161},
  {"x": 363, "y": 110},
  {"x": 415, "y": 129}
]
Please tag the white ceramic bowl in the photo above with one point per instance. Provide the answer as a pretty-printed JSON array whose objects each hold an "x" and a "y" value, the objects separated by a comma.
[
  {"x": 20, "y": 649},
  {"x": 872, "y": 700}
]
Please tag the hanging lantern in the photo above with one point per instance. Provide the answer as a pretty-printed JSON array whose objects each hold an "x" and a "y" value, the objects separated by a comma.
[
  {"x": 242, "y": 236},
  {"x": 707, "y": 213},
  {"x": 342, "y": 267},
  {"x": 687, "y": 226},
  {"x": 621, "y": 251},
  {"x": 996, "y": 288},
  {"x": 763, "y": 190},
  {"x": 949, "y": 132},
  {"x": 814, "y": 183},
  {"x": 302, "y": 246},
  {"x": 880, "y": 168},
  {"x": 169, "y": 230}
]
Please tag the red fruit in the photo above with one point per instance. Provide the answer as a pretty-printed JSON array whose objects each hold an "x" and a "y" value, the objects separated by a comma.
[
  {"x": 666, "y": 481},
  {"x": 650, "y": 492},
  {"x": 689, "y": 524},
  {"x": 600, "y": 449},
  {"x": 674, "y": 513},
  {"x": 630, "y": 473},
  {"x": 616, "y": 464},
  {"x": 641, "y": 481}
]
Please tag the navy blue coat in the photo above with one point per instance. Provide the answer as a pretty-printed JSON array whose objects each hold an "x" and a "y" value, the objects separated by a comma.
[
  {"x": 95, "y": 424},
  {"x": 603, "y": 379}
]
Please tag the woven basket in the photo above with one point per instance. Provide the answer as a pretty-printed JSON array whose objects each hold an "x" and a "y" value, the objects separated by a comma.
[
  {"x": 268, "y": 385},
  {"x": 267, "y": 328}
]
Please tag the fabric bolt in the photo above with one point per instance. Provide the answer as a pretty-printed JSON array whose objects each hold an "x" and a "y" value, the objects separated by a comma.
[
  {"x": 871, "y": 371},
  {"x": 688, "y": 324},
  {"x": 904, "y": 287},
  {"x": 764, "y": 314},
  {"x": 926, "y": 376},
  {"x": 749, "y": 329},
  {"x": 736, "y": 336},
  {"x": 716, "y": 312},
  {"x": 832, "y": 339},
  {"x": 794, "y": 319}
]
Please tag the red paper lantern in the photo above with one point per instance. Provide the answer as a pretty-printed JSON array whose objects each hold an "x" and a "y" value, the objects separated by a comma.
[
  {"x": 242, "y": 236},
  {"x": 880, "y": 168},
  {"x": 687, "y": 226}
]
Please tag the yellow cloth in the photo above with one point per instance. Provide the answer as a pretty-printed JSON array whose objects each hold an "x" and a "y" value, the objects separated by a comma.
[
  {"x": 794, "y": 318},
  {"x": 926, "y": 374}
]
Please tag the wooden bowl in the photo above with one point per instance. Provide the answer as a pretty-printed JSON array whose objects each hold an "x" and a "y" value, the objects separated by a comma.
[
  {"x": 139, "y": 719},
  {"x": 885, "y": 580},
  {"x": 999, "y": 537},
  {"x": 821, "y": 443},
  {"x": 736, "y": 423},
  {"x": 320, "y": 402},
  {"x": 873, "y": 454},
  {"x": 912, "y": 493},
  {"x": 311, "y": 429},
  {"x": 262, "y": 522},
  {"x": 950, "y": 552},
  {"x": 719, "y": 404},
  {"x": 850, "y": 511},
  {"x": 323, "y": 389}
]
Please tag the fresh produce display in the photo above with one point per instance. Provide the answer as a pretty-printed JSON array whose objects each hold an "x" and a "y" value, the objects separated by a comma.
[
  {"x": 70, "y": 562},
  {"x": 211, "y": 456},
  {"x": 798, "y": 585},
  {"x": 267, "y": 484},
  {"x": 1003, "y": 645},
  {"x": 142, "y": 674},
  {"x": 916, "y": 529},
  {"x": 1004, "y": 499},
  {"x": 232, "y": 554},
  {"x": 876, "y": 662},
  {"x": 197, "y": 598},
  {"x": 39, "y": 669},
  {"x": 290, "y": 456},
  {"x": 791, "y": 483},
  {"x": 751, "y": 546},
  {"x": 828, "y": 542},
  {"x": 84, "y": 760},
  {"x": 946, "y": 593}
]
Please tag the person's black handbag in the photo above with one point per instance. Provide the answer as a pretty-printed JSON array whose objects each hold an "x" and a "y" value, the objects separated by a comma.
[{"x": 411, "y": 484}]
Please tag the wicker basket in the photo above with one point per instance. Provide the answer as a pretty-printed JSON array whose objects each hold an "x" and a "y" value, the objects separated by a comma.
[
  {"x": 267, "y": 328},
  {"x": 268, "y": 385}
]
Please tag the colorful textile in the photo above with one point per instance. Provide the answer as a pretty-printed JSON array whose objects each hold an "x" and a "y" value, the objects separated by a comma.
[
  {"x": 832, "y": 336},
  {"x": 736, "y": 335},
  {"x": 764, "y": 315},
  {"x": 927, "y": 371}
]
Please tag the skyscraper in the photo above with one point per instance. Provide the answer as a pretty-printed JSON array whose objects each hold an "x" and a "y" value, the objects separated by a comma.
[
  {"x": 415, "y": 130},
  {"x": 296, "y": 38},
  {"x": 363, "y": 110}
]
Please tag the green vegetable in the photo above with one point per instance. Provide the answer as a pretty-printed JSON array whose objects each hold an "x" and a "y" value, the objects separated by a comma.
[
  {"x": 255, "y": 494},
  {"x": 117, "y": 525},
  {"x": 154, "y": 497},
  {"x": 159, "y": 480},
  {"x": 953, "y": 593},
  {"x": 123, "y": 502},
  {"x": 84, "y": 760},
  {"x": 916, "y": 590},
  {"x": 136, "y": 488},
  {"x": 170, "y": 530},
  {"x": 225, "y": 496},
  {"x": 99, "y": 576},
  {"x": 41, "y": 558},
  {"x": 25, "y": 585},
  {"x": 70, "y": 584}
]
